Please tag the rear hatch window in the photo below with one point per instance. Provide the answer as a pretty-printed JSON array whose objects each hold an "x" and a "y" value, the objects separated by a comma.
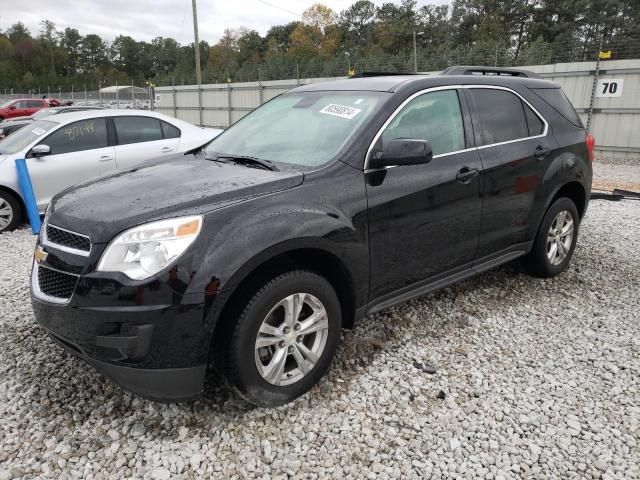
[{"x": 556, "y": 98}]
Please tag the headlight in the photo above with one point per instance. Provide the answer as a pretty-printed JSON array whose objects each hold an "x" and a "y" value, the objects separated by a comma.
[{"x": 143, "y": 251}]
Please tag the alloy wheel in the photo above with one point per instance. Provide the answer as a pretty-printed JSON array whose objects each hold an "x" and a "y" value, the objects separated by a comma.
[
  {"x": 291, "y": 339},
  {"x": 6, "y": 214},
  {"x": 560, "y": 237}
]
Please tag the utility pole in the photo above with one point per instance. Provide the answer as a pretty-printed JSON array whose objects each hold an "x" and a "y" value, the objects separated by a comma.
[
  {"x": 415, "y": 51},
  {"x": 197, "y": 42}
]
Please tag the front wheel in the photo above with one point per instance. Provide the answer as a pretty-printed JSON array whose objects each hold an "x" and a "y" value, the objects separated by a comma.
[
  {"x": 556, "y": 240},
  {"x": 10, "y": 212},
  {"x": 284, "y": 340}
]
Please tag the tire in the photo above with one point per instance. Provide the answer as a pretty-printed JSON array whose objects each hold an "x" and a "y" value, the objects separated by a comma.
[
  {"x": 546, "y": 260},
  {"x": 10, "y": 212},
  {"x": 264, "y": 318}
]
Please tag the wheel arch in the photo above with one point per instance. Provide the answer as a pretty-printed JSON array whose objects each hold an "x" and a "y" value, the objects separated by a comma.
[
  {"x": 313, "y": 258},
  {"x": 576, "y": 192}
]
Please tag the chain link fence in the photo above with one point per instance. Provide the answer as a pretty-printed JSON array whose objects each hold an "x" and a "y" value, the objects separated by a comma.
[{"x": 132, "y": 99}]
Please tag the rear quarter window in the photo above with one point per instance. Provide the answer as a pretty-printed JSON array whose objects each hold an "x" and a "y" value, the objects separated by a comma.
[
  {"x": 557, "y": 100},
  {"x": 169, "y": 131}
]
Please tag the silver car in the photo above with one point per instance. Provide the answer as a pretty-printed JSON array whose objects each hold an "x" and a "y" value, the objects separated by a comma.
[{"x": 71, "y": 148}]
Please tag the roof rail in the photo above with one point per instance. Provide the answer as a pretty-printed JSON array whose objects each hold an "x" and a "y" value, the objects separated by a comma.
[
  {"x": 499, "y": 71},
  {"x": 380, "y": 74}
]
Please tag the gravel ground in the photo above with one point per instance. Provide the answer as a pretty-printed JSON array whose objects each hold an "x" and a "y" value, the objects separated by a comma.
[
  {"x": 502, "y": 376},
  {"x": 608, "y": 175}
]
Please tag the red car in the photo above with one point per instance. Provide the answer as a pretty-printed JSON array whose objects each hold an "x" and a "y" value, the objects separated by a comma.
[{"x": 22, "y": 107}]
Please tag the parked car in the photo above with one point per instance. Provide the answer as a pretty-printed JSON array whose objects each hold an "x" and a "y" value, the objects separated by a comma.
[
  {"x": 7, "y": 129},
  {"x": 328, "y": 203},
  {"x": 70, "y": 148},
  {"x": 21, "y": 107},
  {"x": 13, "y": 125}
]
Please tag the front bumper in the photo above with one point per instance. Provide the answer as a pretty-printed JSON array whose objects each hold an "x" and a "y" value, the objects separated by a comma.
[
  {"x": 146, "y": 338},
  {"x": 162, "y": 385}
]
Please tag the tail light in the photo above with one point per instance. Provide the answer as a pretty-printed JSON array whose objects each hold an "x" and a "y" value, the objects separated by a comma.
[{"x": 591, "y": 145}]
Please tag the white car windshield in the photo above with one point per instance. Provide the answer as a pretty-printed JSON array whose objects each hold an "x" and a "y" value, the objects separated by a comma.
[
  {"x": 302, "y": 129},
  {"x": 25, "y": 136}
]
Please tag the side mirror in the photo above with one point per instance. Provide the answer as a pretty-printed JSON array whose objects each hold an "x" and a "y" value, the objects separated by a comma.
[
  {"x": 12, "y": 107},
  {"x": 40, "y": 151},
  {"x": 402, "y": 151}
]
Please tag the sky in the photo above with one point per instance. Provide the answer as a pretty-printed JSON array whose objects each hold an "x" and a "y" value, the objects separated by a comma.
[{"x": 146, "y": 19}]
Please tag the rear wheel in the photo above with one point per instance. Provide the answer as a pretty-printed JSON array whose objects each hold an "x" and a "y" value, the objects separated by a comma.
[
  {"x": 556, "y": 240},
  {"x": 10, "y": 212},
  {"x": 284, "y": 340}
]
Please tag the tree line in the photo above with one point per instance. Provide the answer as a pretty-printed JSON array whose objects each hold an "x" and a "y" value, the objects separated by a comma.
[{"x": 327, "y": 43}]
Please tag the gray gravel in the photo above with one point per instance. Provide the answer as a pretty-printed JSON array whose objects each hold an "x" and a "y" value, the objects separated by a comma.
[
  {"x": 502, "y": 376},
  {"x": 617, "y": 172}
]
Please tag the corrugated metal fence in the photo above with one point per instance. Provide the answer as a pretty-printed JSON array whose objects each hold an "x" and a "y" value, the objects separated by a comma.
[{"x": 607, "y": 97}]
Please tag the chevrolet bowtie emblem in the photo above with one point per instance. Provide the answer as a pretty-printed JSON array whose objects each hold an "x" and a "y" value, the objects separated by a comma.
[{"x": 40, "y": 254}]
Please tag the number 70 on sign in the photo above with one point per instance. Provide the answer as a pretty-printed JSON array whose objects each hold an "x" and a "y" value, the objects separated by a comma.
[{"x": 609, "y": 87}]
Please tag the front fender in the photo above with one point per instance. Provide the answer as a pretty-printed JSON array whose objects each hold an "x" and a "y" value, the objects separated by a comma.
[{"x": 239, "y": 238}]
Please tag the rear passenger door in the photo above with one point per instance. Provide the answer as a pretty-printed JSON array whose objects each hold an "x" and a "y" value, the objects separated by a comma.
[
  {"x": 514, "y": 148},
  {"x": 33, "y": 106},
  {"x": 141, "y": 138}
]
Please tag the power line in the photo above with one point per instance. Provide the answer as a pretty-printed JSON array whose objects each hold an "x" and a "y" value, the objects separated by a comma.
[{"x": 280, "y": 8}]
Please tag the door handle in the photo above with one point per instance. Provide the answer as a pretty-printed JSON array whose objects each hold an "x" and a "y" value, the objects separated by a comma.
[
  {"x": 541, "y": 152},
  {"x": 105, "y": 158},
  {"x": 166, "y": 149},
  {"x": 465, "y": 174}
]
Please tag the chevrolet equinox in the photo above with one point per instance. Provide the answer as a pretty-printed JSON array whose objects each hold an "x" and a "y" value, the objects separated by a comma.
[{"x": 328, "y": 203}]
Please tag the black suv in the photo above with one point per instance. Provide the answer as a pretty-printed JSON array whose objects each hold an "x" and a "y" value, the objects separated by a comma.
[{"x": 328, "y": 203}]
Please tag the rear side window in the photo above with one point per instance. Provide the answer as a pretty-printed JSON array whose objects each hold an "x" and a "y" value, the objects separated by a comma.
[
  {"x": 536, "y": 127},
  {"x": 78, "y": 136},
  {"x": 434, "y": 117},
  {"x": 137, "y": 129},
  {"x": 556, "y": 98},
  {"x": 500, "y": 114},
  {"x": 169, "y": 131}
]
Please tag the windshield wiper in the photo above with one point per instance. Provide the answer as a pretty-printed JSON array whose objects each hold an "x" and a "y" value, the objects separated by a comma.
[{"x": 253, "y": 162}]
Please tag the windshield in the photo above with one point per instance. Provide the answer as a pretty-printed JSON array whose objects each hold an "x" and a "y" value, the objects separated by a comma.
[
  {"x": 45, "y": 112},
  {"x": 6, "y": 104},
  {"x": 21, "y": 139},
  {"x": 305, "y": 129}
]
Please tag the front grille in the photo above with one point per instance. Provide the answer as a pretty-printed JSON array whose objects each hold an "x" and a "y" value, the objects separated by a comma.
[
  {"x": 56, "y": 284},
  {"x": 67, "y": 239}
]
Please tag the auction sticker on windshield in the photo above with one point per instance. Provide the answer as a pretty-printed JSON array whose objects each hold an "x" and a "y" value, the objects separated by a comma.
[
  {"x": 342, "y": 111},
  {"x": 38, "y": 131}
]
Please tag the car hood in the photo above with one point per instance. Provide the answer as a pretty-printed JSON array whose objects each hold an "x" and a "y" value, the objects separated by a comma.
[{"x": 102, "y": 208}]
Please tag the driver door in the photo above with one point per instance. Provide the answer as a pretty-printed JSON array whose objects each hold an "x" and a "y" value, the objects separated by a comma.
[
  {"x": 80, "y": 151},
  {"x": 424, "y": 220}
]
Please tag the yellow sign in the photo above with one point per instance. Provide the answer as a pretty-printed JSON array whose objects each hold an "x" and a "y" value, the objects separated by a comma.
[
  {"x": 352, "y": 72},
  {"x": 605, "y": 55}
]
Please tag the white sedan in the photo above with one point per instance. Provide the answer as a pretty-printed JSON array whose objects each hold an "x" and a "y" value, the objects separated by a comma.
[{"x": 71, "y": 148}]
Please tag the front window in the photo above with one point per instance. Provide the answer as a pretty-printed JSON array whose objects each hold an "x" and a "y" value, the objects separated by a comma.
[
  {"x": 88, "y": 134},
  {"x": 301, "y": 130},
  {"x": 435, "y": 117},
  {"x": 24, "y": 137}
]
